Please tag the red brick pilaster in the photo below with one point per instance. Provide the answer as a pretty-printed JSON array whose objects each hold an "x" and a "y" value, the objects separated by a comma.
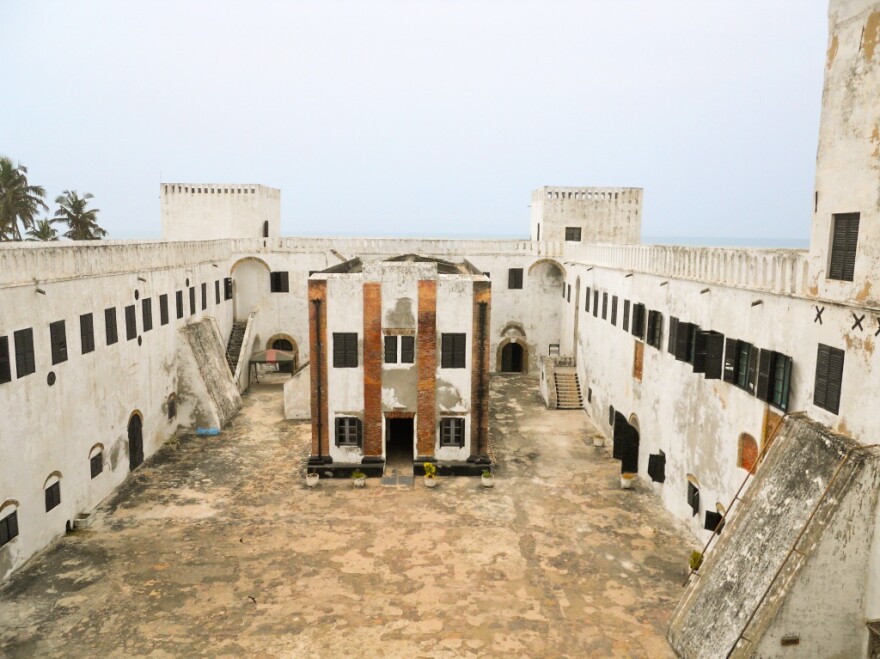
[
  {"x": 480, "y": 369},
  {"x": 372, "y": 369},
  {"x": 426, "y": 356},
  {"x": 318, "y": 358}
]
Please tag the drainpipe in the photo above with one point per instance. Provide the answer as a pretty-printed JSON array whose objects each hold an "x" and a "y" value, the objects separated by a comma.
[{"x": 319, "y": 459}]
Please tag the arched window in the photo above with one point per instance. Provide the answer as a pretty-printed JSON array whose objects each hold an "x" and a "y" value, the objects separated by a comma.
[
  {"x": 52, "y": 490},
  {"x": 747, "y": 454},
  {"x": 8, "y": 521},
  {"x": 96, "y": 460}
]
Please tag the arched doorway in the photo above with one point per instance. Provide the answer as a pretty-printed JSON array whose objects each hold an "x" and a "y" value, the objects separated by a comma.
[
  {"x": 135, "y": 441},
  {"x": 284, "y": 342},
  {"x": 626, "y": 444},
  {"x": 250, "y": 277},
  {"x": 512, "y": 358}
]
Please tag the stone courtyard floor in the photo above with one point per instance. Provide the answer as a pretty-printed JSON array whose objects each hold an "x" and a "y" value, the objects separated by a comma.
[{"x": 216, "y": 547}]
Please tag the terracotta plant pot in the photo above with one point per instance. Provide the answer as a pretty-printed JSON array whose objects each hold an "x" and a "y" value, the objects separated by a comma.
[{"x": 312, "y": 480}]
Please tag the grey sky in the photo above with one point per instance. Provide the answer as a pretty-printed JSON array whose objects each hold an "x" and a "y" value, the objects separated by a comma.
[{"x": 423, "y": 117}]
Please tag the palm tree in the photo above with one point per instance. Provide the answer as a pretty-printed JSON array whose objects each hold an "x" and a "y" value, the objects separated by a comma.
[
  {"x": 43, "y": 230},
  {"x": 19, "y": 202},
  {"x": 83, "y": 223}
]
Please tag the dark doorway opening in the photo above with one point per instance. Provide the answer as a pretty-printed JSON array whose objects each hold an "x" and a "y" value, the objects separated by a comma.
[
  {"x": 284, "y": 344},
  {"x": 626, "y": 445},
  {"x": 512, "y": 358},
  {"x": 399, "y": 443},
  {"x": 135, "y": 442}
]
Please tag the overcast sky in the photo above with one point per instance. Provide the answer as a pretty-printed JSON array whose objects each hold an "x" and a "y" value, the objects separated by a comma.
[{"x": 423, "y": 117}]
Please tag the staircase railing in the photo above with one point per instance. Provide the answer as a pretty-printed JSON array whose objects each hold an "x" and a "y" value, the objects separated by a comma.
[{"x": 242, "y": 374}]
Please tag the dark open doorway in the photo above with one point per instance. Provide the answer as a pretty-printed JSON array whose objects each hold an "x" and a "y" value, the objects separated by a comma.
[
  {"x": 399, "y": 443},
  {"x": 512, "y": 358},
  {"x": 135, "y": 442},
  {"x": 284, "y": 344},
  {"x": 626, "y": 445}
]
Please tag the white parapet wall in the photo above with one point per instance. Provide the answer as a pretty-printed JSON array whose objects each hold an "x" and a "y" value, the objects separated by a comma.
[{"x": 208, "y": 211}]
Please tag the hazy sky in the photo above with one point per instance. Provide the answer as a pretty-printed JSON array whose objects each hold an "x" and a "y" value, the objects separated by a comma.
[{"x": 423, "y": 117}]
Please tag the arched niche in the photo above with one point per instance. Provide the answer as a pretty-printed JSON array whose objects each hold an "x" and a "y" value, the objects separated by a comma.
[
  {"x": 250, "y": 284},
  {"x": 282, "y": 341}
]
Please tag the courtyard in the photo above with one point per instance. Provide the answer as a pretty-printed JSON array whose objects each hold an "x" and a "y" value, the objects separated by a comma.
[{"x": 216, "y": 547}]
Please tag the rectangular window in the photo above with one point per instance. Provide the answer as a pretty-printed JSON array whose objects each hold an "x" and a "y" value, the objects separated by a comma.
[
  {"x": 587, "y": 301},
  {"x": 740, "y": 364},
  {"x": 5, "y": 364},
  {"x": 130, "y": 323},
  {"x": 657, "y": 467},
  {"x": 673, "y": 335},
  {"x": 515, "y": 278},
  {"x": 711, "y": 348},
  {"x": 279, "y": 282},
  {"x": 110, "y": 326},
  {"x": 217, "y": 291},
  {"x": 147, "y": 313},
  {"x": 390, "y": 349},
  {"x": 349, "y": 431},
  {"x": 8, "y": 527},
  {"x": 227, "y": 288},
  {"x": 58, "y": 341},
  {"x": 192, "y": 300},
  {"x": 452, "y": 432},
  {"x": 694, "y": 498},
  {"x": 686, "y": 343},
  {"x": 655, "y": 329},
  {"x": 407, "y": 349},
  {"x": 774, "y": 375},
  {"x": 844, "y": 240},
  {"x": 87, "y": 333},
  {"x": 638, "y": 320},
  {"x": 96, "y": 464},
  {"x": 569, "y": 293},
  {"x": 596, "y": 304},
  {"x": 604, "y": 306},
  {"x": 614, "y": 310},
  {"x": 829, "y": 378},
  {"x": 573, "y": 234},
  {"x": 178, "y": 299},
  {"x": 452, "y": 350},
  {"x": 345, "y": 350},
  {"x": 163, "y": 309},
  {"x": 626, "y": 315},
  {"x": 53, "y": 495},
  {"x": 204, "y": 296},
  {"x": 25, "y": 363}
]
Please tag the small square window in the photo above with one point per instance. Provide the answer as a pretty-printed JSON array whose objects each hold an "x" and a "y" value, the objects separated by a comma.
[
  {"x": 452, "y": 432},
  {"x": 279, "y": 282},
  {"x": 349, "y": 431},
  {"x": 515, "y": 278},
  {"x": 573, "y": 234}
]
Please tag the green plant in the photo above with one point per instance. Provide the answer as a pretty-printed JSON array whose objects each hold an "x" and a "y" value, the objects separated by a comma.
[
  {"x": 696, "y": 560},
  {"x": 430, "y": 469},
  {"x": 357, "y": 473},
  {"x": 487, "y": 474}
]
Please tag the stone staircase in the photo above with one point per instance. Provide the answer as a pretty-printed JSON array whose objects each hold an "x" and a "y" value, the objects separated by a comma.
[
  {"x": 568, "y": 390},
  {"x": 233, "y": 348}
]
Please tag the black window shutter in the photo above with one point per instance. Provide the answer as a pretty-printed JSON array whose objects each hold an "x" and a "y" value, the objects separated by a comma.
[
  {"x": 587, "y": 302},
  {"x": 604, "y": 306},
  {"x": 617, "y": 439},
  {"x": 820, "y": 387},
  {"x": 178, "y": 298},
  {"x": 780, "y": 381},
  {"x": 407, "y": 349},
  {"x": 765, "y": 365},
  {"x": 58, "y": 340},
  {"x": 24, "y": 352},
  {"x": 682, "y": 341},
  {"x": 110, "y": 325},
  {"x": 130, "y": 323},
  {"x": 338, "y": 350},
  {"x": 351, "y": 350},
  {"x": 753, "y": 369},
  {"x": 852, "y": 240},
  {"x": 216, "y": 291},
  {"x": 227, "y": 288},
  {"x": 458, "y": 355},
  {"x": 390, "y": 349},
  {"x": 693, "y": 498},
  {"x": 163, "y": 309},
  {"x": 714, "y": 354},
  {"x": 614, "y": 310},
  {"x": 629, "y": 461},
  {"x": 204, "y": 296},
  {"x": 657, "y": 467},
  {"x": 596, "y": 304},
  {"x": 652, "y": 320},
  {"x": 844, "y": 243},
  {"x": 700, "y": 352},
  {"x": 730, "y": 360},
  {"x": 626, "y": 315},
  {"x": 5, "y": 364},
  {"x": 192, "y": 300},
  {"x": 835, "y": 377},
  {"x": 673, "y": 329},
  {"x": 446, "y": 351},
  {"x": 147, "y": 313},
  {"x": 713, "y": 520}
]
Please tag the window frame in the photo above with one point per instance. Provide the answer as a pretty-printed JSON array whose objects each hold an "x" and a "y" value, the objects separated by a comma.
[
  {"x": 573, "y": 234},
  {"x": 279, "y": 281},
  {"x": 844, "y": 246},
  {"x": 654, "y": 335},
  {"x": 25, "y": 358},
  {"x": 345, "y": 349},
  {"x": 147, "y": 314},
  {"x": 53, "y": 495},
  {"x": 178, "y": 302},
  {"x": 111, "y": 328},
  {"x": 130, "y": 322},
  {"x": 453, "y": 350},
  {"x": 58, "y": 341},
  {"x": 830, "y": 362},
  {"x": 451, "y": 432},
  {"x": 348, "y": 431},
  {"x": 163, "y": 309},
  {"x": 514, "y": 279},
  {"x": 9, "y": 528}
]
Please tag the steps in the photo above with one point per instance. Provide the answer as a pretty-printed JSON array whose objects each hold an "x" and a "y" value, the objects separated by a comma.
[
  {"x": 568, "y": 391},
  {"x": 233, "y": 348}
]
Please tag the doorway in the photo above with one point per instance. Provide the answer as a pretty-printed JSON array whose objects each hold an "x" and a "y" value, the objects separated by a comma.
[
  {"x": 512, "y": 358},
  {"x": 625, "y": 444},
  {"x": 284, "y": 344},
  {"x": 135, "y": 442},
  {"x": 399, "y": 445}
]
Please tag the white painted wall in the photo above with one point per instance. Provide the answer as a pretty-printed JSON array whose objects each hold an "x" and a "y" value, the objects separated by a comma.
[
  {"x": 208, "y": 211},
  {"x": 604, "y": 215}
]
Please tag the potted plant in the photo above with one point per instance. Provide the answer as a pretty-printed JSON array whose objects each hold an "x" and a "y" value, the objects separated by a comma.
[
  {"x": 696, "y": 560},
  {"x": 430, "y": 474},
  {"x": 487, "y": 479},
  {"x": 598, "y": 440},
  {"x": 627, "y": 481},
  {"x": 359, "y": 478},
  {"x": 312, "y": 479}
]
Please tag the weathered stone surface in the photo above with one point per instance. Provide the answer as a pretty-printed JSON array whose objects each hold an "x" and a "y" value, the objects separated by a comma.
[{"x": 556, "y": 560}]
